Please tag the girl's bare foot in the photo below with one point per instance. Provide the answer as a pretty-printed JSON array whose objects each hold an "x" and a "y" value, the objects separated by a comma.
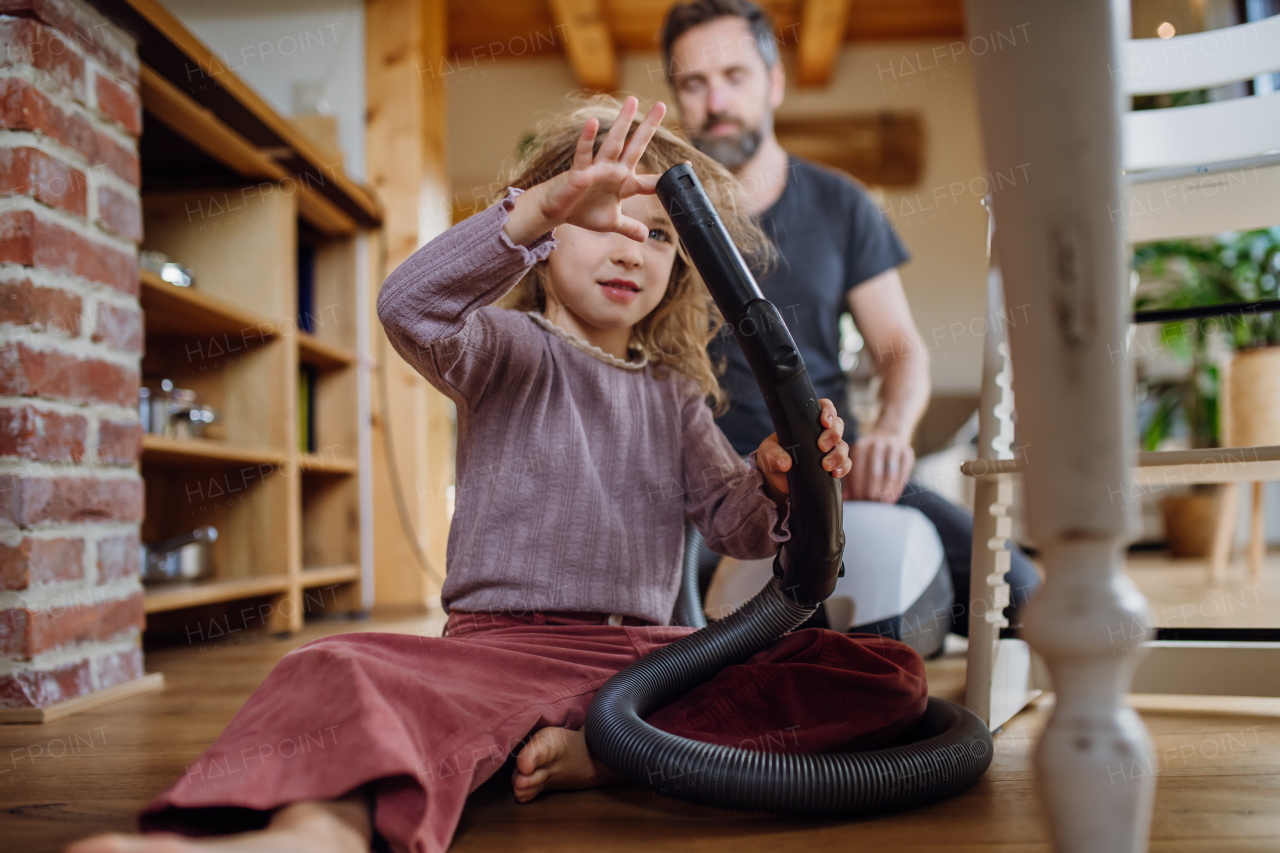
[
  {"x": 557, "y": 759},
  {"x": 340, "y": 826}
]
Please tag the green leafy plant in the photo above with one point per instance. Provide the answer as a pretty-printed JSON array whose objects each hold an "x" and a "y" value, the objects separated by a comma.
[{"x": 1230, "y": 268}]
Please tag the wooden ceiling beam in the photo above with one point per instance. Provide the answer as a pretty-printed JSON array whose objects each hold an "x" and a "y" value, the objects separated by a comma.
[
  {"x": 587, "y": 43},
  {"x": 822, "y": 28}
]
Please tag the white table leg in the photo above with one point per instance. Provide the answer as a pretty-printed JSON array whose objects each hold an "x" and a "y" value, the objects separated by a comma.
[{"x": 1050, "y": 113}]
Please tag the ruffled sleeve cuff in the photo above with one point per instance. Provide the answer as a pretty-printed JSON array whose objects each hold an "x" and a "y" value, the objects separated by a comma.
[
  {"x": 779, "y": 528},
  {"x": 535, "y": 251}
]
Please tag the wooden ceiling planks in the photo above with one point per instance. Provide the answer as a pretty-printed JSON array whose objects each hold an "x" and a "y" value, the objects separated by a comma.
[{"x": 481, "y": 30}]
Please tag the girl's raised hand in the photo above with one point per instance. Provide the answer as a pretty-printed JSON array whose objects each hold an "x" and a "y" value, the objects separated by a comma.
[{"x": 590, "y": 194}]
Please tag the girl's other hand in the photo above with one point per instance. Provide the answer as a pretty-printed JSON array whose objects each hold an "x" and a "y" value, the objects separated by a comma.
[
  {"x": 590, "y": 194},
  {"x": 774, "y": 462}
]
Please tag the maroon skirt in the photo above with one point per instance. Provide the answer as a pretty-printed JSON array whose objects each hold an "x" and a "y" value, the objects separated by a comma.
[{"x": 426, "y": 720}]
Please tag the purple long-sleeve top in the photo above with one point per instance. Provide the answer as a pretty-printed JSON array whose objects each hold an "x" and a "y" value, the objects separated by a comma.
[{"x": 575, "y": 469}]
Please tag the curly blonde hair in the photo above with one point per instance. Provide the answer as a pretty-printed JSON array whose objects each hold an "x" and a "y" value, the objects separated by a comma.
[{"x": 675, "y": 334}]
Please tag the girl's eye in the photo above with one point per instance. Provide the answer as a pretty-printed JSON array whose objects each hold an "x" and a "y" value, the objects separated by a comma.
[{"x": 659, "y": 234}]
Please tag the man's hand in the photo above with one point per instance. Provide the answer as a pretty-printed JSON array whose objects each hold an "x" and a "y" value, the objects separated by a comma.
[
  {"x": 774, "y": 462},
  {"x": 881, "y": 464}
]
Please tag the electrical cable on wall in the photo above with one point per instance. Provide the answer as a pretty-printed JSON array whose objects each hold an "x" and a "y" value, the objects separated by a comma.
[{"x": 388, "y": 441}]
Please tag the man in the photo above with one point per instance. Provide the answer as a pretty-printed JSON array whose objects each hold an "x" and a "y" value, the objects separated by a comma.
[{"x": 836, "y": 253}]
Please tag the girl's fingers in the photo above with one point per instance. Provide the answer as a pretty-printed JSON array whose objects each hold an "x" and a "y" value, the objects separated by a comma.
[
  {"x": 644, "y": 184},
  {"x": 835, "y": 460},
  {"x": 582, "y": 154},
  {"x": 644, "y": 133},
  {"x": 617, "y": 134},
  {"x": 633, "y": 228}
]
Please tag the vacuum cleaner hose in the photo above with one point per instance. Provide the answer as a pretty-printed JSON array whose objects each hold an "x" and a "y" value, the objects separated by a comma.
[{"x": 952, "y": 746}]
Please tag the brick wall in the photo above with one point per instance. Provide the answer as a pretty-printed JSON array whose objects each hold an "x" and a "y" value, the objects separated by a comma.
[{"x": 71, "y": 606}]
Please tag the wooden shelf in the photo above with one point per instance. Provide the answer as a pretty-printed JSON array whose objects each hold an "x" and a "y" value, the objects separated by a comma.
[
  {"x": 203, "y": 451},
  {"x": 171, "y": 310},
  {"x": 315, "y": 463},
  {"x": 326, "y": 575},
  {"x": 327, "y": 197},
  {"x": 317, "y": 353},
  {"x": 176, "y": 596}
]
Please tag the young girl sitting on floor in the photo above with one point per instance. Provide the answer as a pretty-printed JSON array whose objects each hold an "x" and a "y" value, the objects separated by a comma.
[{"x": 584, "y": 440}]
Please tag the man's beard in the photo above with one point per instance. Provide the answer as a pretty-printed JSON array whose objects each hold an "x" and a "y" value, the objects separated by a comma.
[{"x": 730, "y": 150}]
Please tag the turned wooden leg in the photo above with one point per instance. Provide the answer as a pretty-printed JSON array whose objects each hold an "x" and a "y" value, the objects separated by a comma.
[
  {"x": 1257, "y": 532},
  {"x": 1050, "y": 112},
  {"x": 1224, "y": 531}
]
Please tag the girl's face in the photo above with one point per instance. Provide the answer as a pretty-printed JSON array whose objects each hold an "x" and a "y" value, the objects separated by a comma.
[{"x": 608, "y": 282}]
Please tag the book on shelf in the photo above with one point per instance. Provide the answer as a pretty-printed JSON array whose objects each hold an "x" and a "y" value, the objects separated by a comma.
[
  {"x": 306, "y": 408},
  {"x": 306, "y": 288}
]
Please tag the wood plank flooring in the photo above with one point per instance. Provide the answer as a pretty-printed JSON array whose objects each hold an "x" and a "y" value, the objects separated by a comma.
[{"x": 1218, "y": 760}]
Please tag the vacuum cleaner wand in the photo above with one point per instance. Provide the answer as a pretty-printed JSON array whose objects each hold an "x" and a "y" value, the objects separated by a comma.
[
  {"x": 951, "y": 746},
  {"x": 811, "y": 560}
]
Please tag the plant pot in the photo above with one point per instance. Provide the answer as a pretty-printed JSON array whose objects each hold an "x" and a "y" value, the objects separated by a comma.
[
  {"x": 1251, "y": 416},
  {"x": 1189, "y": 521}
]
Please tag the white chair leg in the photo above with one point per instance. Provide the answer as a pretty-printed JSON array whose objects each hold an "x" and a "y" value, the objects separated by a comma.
[{"x": 1048, "y": 104}]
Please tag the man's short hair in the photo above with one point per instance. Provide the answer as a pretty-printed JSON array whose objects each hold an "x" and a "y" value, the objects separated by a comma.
[{"x": 685, "y": 16}]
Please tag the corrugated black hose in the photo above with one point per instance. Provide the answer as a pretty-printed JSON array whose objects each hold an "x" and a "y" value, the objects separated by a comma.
[{"x": 950, "y": 747}]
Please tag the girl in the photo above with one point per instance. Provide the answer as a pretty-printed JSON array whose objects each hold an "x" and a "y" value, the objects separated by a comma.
[{"x": 584, "y": 439}]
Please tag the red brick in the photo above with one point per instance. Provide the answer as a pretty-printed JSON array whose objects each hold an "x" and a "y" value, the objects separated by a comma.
[
  {"x": 81, "y": 26},
  {"x": 37, "y": 561},
  {"x": 51, "y": 308},
  {"x": 25, "y": 633},
  {"x": 29, "y": 433},
  {"x": 119, "y": 667},
  {"x": 119, "y": 442},
  {"x": 31, "y": 172},
  {"x": 119, "y": 328},
  {"x": 120, "y": 104},
  {"x": 23, "y": 107},
  {"x": 28, "y": 501},
  {"x": 29, "y": 42},
  {"x": 26, "y": 372},
  {"x": 40, "y": 689},
  {"x": 120, "y": 214},
  {"x": 33, "y": 241},
  {"x": 118, "y": 558}
]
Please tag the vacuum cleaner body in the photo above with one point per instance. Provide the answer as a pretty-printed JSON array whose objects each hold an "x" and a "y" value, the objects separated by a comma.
[{"x": 952, "y": 747}]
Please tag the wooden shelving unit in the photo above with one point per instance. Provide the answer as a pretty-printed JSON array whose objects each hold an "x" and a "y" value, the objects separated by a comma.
[{"x": 232, "y": 191}]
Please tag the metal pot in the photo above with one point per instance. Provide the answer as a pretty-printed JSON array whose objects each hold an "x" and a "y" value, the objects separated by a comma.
[{"x": 181, "y": 558}]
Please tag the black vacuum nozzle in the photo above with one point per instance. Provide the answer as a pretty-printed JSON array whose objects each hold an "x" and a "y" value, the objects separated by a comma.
[{"x": 811, "y": 560}]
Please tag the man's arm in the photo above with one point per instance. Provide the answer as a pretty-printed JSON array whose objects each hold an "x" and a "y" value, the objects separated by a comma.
[{"x": 883, "y": 458}]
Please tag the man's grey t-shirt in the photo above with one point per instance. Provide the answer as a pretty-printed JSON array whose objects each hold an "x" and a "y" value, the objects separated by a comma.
[{"x": 831, "y": 237}]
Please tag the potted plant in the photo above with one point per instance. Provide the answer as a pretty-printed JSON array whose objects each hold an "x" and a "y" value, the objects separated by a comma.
[{"x": 1232, "y": 403}]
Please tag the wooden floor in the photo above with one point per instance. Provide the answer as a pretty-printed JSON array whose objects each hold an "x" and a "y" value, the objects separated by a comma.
[
  {"x": 1218, "y": 759},
  {"x": 1179, "y": 594}
]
